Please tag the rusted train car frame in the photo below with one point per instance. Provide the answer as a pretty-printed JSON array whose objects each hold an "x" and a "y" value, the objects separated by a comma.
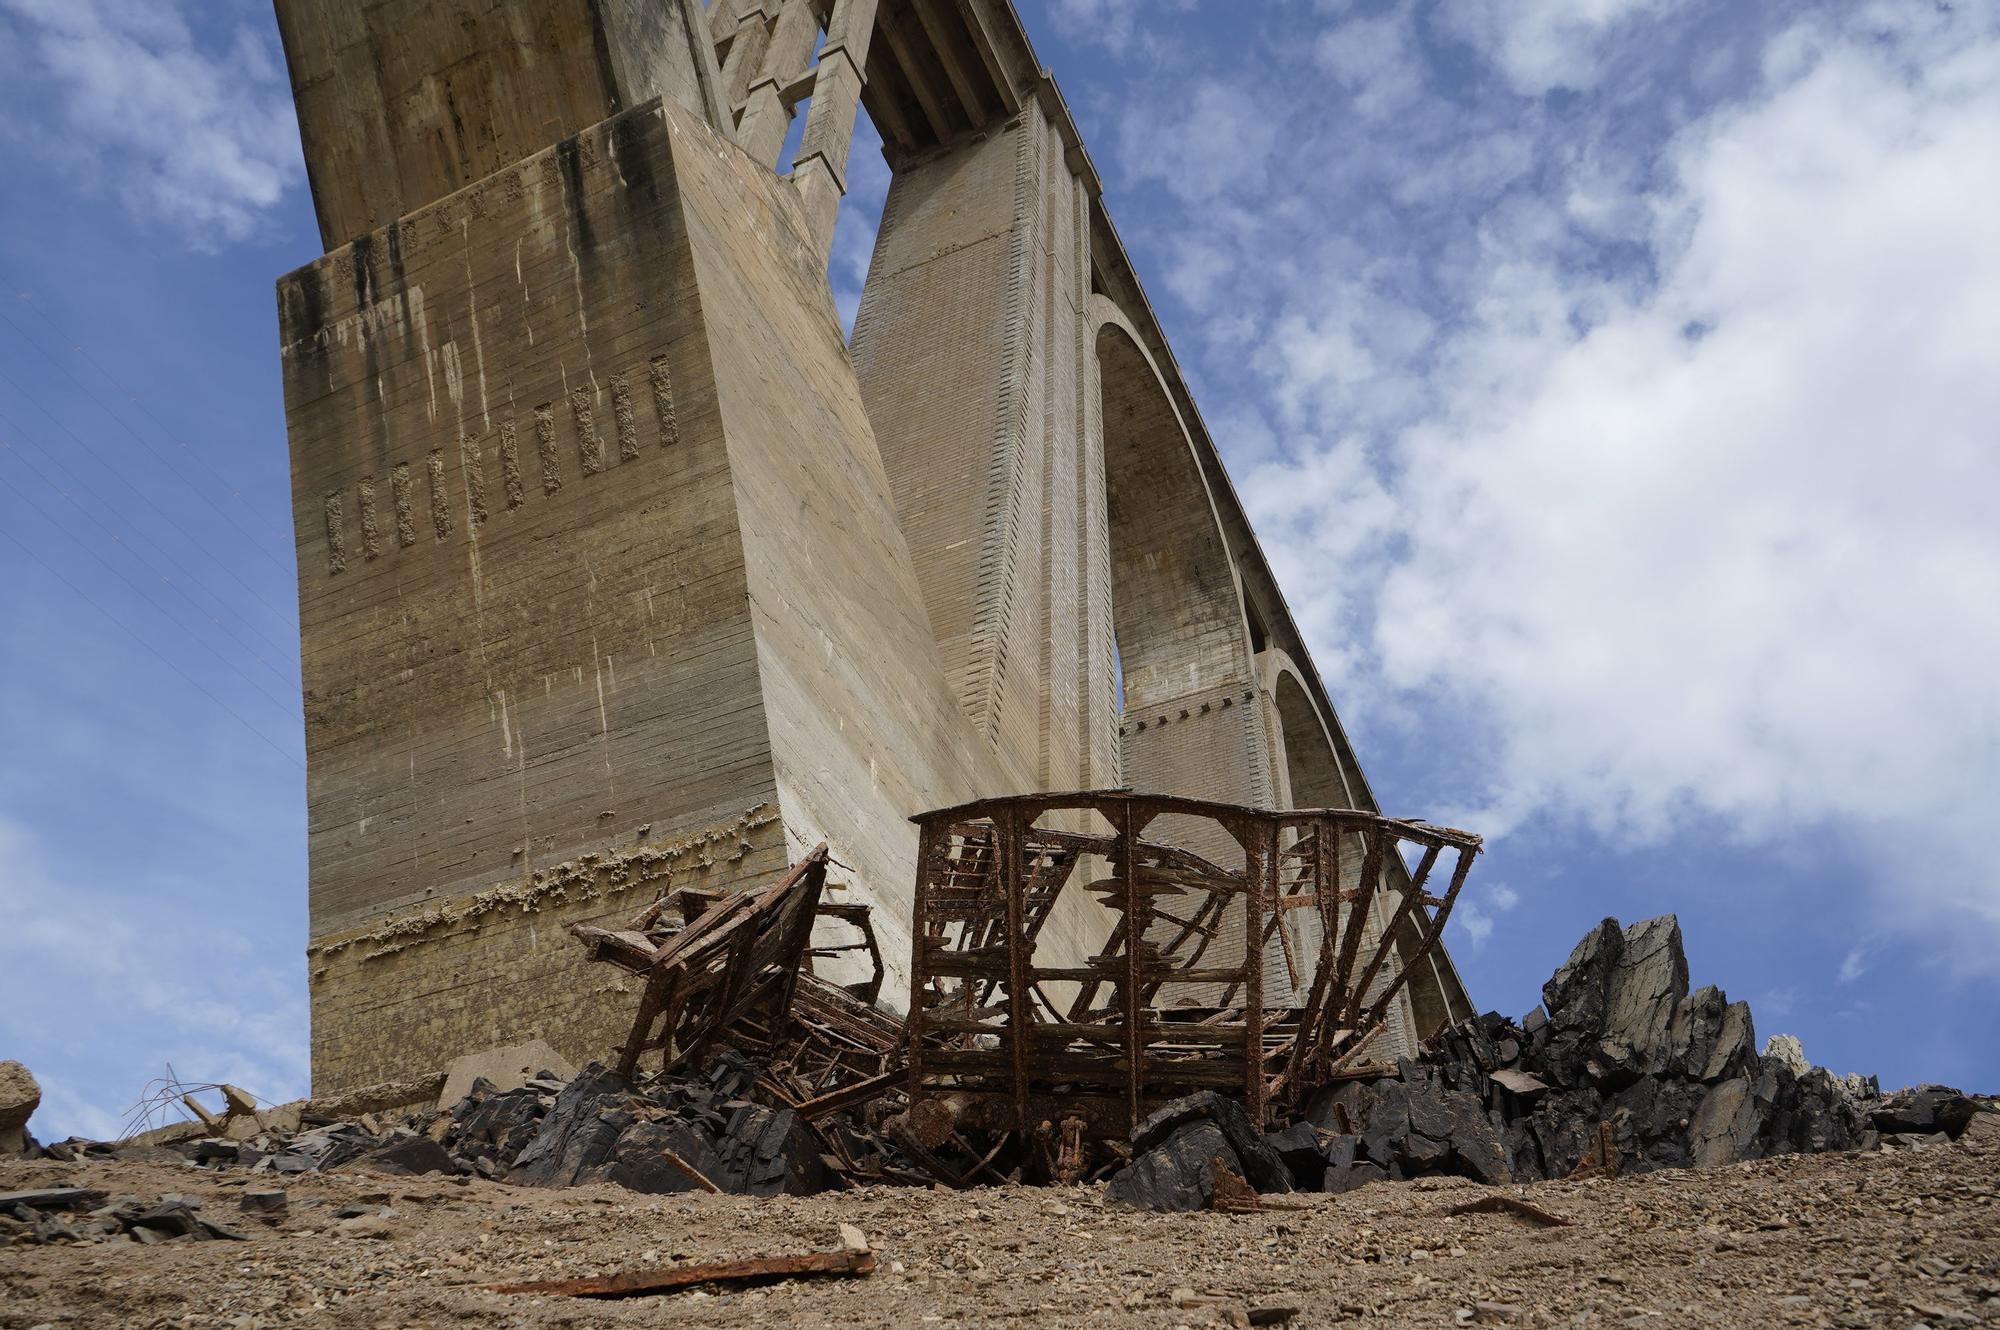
[{"x": 988, "y": 1035}]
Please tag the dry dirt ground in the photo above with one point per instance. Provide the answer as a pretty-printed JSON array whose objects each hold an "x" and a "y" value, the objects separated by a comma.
[{"x": 1903, "y": 1239}]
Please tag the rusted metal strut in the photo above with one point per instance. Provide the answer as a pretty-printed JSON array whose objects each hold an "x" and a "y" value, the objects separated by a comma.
[{"x": 1252, "y": 951}]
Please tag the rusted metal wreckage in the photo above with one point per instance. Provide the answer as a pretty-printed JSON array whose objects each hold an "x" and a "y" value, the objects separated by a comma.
[{"x": 1257, "y": 952}]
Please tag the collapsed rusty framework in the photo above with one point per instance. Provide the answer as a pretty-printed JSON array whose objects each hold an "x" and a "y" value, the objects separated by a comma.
[
  {"x": 1003, "y": 1043},
  {"x": 1162, "y": 1009},
  {"x": 741, "y": 966}
]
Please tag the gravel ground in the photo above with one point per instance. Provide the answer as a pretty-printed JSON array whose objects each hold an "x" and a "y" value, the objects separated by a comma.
[{"x": 1897, "y": 1238}]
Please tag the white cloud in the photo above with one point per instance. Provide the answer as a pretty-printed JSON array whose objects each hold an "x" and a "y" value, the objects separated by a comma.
[
  {"x": 1476, "y": 910},
  {"x": 191, "y": 130},
  {"x": 1224, "y": 140},
  {"x": 155, "y": 981},
  {"x": 1108, "y": 23},
  {"x": 1376, "y": 60},
  {"x": 1546, "y": 44},
  {"x": 1853, "y": 965},
  {"x": 1721, "y": 549}
]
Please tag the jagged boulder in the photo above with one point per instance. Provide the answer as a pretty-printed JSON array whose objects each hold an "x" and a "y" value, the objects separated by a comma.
[
  {"x": 1415, "y": 1125},
  {"x": 1577, "y": 999},
  {"x": 1175, "y": 1155},
  {"x": 579, "y": 1132},
  {"x": 1712, "y": 1038},
  {"x": 1175, "y": 1151},
  {"x": 1175, "y": 1174},
  {"x": 1613, "y": 1004},
  {"x": 1726, "y": 1126},
  {"x": 1787, "y": 1049},
  {"x": 20, "y": 1096},
  {"x": 1924, "y": 1109}
]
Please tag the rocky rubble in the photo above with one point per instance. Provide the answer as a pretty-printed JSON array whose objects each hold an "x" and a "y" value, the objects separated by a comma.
[
  {"x": 1621, "y": 1068},
  {"x": 80, "y": 1214},
  {"x": 1619, "y": 1046},
  {"x": 1620, "y": 1054},
  {"x": 660, "y": 1135}
]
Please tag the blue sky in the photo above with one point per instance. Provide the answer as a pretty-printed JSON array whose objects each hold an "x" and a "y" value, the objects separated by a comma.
[{"x": 1614, "y": 384}]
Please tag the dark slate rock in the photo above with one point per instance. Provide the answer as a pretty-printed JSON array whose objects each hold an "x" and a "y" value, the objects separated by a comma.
[
  {"x": 1387, "y": 1122},
  {"x": 500, "y": 1125},
  {"x": 1261, "y": 1166},
  {"x": 1735, "y": 1050},
  {"x": 1298, "y": 1145},
  {"x": 1524, "y": 1153},
  {"x": 1475, "y": 1142},
  {"x": 775, "y": 1153},
  {"x": 1646, "y": 986},
  {"x": 181, "y": 1221},
  {"x": 1341, "y": 1108},
  {"x": 579, "y": 1132},
  {"x": 409, "y": 1155},
  {"x": 1341, "y": 1151},
  {"x": 638, "y": 1160},
  {"x": 52, "y": 1198},
  {"x": 1925, "y": 1110},
  {"x": 1726, "y": 1127},
  {"x": 215, "y": 1152},
  {"x": 1431, "y": 1113},
  {"x": 1826, "y": 1118},
  {"x": 1177, "y": 1173},
  {"x": 1346, "y": 1179},
  {"x": 1652, "y": 1118},
  {"x": 1419, "y": 1154},
  {"x": 1577, "y": 996},
  {"x": 1564, "y": 1124}
]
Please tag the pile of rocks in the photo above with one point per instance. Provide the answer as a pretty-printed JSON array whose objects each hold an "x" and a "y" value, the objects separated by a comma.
[
  {"x": 661, "y": 1135},
  {"x": 81, "y": 1214},
  {"x": 671, "y": 1136},
  {"x": 1621, "y": 1069},
  {"x": 1618, "y": 1040}
]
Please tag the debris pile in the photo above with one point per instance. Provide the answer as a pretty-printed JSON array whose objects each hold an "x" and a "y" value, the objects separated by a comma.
[
  {"x": 773, "y": 1080},
  {"x": 81, "y": 1214},
  {"x": 1621, "y": 1068}
]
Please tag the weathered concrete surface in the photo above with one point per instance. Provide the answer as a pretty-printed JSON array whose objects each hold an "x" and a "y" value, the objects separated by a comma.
[
  {"x": 600, "y": 588},
  {"x": 402, "y": 103}
]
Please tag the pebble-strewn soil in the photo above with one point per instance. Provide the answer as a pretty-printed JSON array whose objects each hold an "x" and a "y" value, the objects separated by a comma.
[{"x": 1903, "y": 1238}]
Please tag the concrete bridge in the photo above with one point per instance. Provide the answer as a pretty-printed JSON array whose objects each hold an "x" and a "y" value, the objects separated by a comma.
[{"x": 619, "y": 567}]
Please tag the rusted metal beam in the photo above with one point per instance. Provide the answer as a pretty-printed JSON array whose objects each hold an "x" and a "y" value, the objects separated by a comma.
[{"x": 752, "y": 1270}]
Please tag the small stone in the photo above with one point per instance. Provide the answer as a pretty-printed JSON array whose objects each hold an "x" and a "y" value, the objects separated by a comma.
[
  {"x": 264, "y": 1203},
  {"x": 372, "y": 1227}
]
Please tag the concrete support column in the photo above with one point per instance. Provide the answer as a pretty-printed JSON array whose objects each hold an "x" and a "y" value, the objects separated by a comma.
[
  {"x": 746, "y": 53},
  {"x": 722, "y": 19},
  {"x": 968, "y": 347},
  {"x": 766, "y": 118},
  {"x": 821, "y": 169}
]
